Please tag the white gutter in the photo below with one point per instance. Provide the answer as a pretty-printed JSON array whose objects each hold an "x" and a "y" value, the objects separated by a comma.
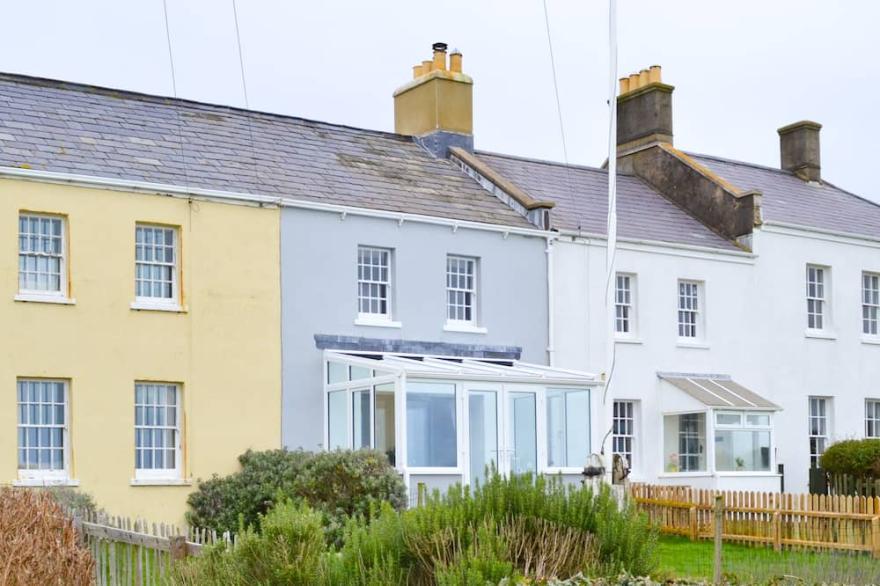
[
  {"x": 588, "y": 237},
  {"x": 786, "y": 228},
  {"x": 248, "y": 198}
]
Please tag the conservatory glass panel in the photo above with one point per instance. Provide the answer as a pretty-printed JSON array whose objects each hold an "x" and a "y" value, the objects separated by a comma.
[
  {"x": 483, "y": 433},
  {"x": 684, "y": 442},
  {"x": 384, "y": 420},
  {"x": 337, "y": 407},
  {"x": 568, "y": 427},
  {"x": 360, "y": 411},
  {"x": 431, "y": 426},
  {"x": 742, "y": 450},
  {"x": 523, "y": 434}
]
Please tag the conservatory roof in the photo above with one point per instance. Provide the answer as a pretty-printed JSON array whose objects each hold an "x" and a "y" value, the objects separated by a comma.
[
  {"x": 718, "y": 391},
  {"x": 462, "y": 368}
]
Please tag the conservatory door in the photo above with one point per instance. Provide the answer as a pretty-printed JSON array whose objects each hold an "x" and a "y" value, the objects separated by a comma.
[{"x": 482, "y": 418}]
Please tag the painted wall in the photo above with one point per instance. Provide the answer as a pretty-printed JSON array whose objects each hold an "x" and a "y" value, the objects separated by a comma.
[
  {"x": 224, "y": 349},
  {"x": 755, "y": 323},
  {"x": 319, "y": 285}
]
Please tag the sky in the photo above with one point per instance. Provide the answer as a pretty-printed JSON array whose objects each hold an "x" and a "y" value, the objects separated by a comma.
[{"x": 741, "y": 69}]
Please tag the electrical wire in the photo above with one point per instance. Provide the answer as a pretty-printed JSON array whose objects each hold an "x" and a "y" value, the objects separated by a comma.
[
  {"x": 247, "y": 106},
  {"x": 174, "y": 93}
]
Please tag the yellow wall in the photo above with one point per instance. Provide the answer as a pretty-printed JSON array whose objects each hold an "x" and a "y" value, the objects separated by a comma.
[{"x": 224, "y": 350}]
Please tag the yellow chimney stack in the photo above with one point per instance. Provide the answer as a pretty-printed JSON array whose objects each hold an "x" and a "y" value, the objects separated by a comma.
[{"x": 439, "y": 97}]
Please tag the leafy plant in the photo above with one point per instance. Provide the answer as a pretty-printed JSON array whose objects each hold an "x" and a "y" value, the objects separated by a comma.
[{"x": 859, "y": 458}]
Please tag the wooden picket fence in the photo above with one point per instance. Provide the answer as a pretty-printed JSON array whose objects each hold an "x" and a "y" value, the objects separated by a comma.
[
  {"x": 844, "y": 484},
  {"x": 133, "y": 552},
  {"x": 783, "y": 520}
]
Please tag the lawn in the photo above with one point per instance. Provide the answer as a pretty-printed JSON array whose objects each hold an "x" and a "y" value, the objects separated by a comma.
[{"x": 682, "y": 558}]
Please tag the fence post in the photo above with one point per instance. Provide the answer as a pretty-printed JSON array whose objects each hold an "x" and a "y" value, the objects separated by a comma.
[
  {"x": 421, "y": 491},
  {"x": 692, "y": 520},
  {"x": 177, "y": 545},
  {"x": 875, "y": 538},
  {"x": 719, "y": 523},
  {"x": 777, "y": 531}
]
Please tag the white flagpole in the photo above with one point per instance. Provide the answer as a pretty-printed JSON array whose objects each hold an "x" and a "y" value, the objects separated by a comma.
[{"x": 611, "y": 227}]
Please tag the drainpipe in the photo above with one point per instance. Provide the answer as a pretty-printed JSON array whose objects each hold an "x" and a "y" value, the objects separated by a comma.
[{"x": 550, "y": 329}]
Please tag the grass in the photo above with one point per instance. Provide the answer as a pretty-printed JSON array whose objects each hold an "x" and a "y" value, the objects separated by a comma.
[{"x": 743, "y": 564}]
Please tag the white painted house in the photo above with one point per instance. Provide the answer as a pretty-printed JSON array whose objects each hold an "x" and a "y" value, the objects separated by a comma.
[{"x": 746, "y": 311}]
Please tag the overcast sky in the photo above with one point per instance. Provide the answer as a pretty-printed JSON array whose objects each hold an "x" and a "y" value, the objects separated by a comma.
[{"x": 741, "y": 68}]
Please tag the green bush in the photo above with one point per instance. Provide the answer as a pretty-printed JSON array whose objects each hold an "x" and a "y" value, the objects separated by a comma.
[
  {"x": 516, "y": 530},
  {"x": 338, "y": 484},
  {"x": 288, "y": 549},
  {"x": 72, "y": 500},
  {"x": 860, "y": 458},
  {"x": 222, "y": 503}
]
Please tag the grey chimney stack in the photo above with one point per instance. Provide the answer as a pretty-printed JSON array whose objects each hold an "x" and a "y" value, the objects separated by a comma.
[
  {"x": 799, "y": 149},
  {"x": 644, "y": 111}
]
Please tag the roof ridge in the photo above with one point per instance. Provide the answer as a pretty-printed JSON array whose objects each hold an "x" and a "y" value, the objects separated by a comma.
[
  {"x": 781, "y": 172},
  {"x": 81, "y": 87},
  {"x": 540, "y": 161}
]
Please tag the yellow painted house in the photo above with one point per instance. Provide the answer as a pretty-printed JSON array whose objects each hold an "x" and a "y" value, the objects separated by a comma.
[{"x": 139, "y": 324}]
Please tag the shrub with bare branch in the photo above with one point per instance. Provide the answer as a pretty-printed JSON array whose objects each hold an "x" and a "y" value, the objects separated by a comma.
[{"x": 38, "y": 542}]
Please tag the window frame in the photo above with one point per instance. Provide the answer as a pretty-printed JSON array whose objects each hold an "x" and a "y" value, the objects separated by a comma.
[
  {"x": 821, "y": 303},
  {"x": 368, "y": 318},
  {"x": 548, "y": 430},
  {"x": 51, "y": 476},
  {"x": 166, "y": 303},
  {"x": 63, "y": 282},
  {"x": 872, "y": 404},
  {"x": 631, "y": 418},
  {"x": 871, "y": 304},
  {"x": 473, "y": 262},
  {"x": 743, "y": 425},
  {"x": 825, "y": 417},
  {"x": 631, "y": 319},
  {"x": 699, "y": 323},
  {"x": 161, "y": 474}
]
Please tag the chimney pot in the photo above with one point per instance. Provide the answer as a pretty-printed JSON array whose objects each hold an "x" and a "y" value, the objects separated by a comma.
[
  {"x": 643, "y": 77},
  {"x": 455, "y": 61},
  {"x": 624, "y": 85},
  {"x": 799, "y": 149},
  {"x": 634, "y": 81},
  {"x": 654, "y": 74},
  {"x": 440, "y": 47},
  {"x": 417, "y": 71},
  {"x": 427, "y": 66}
]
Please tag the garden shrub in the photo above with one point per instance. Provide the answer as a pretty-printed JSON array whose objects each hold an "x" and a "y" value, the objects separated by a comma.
[
  {"x": 860, "y": 458},
  {"x": 38, "y": 543},
  {"x": 221, "y": 503},
  {"x": 72, "y": 500},
  {"x": 287, "y": 549},
  {"x": 339, "y": 484}
]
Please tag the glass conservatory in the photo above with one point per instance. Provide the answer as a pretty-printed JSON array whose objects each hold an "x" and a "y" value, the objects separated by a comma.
[
  {"x": 714, "y": 427},
  {"x": 443, "y": 419}
]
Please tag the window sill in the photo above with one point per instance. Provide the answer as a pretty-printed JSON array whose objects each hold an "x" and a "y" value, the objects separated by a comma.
[
  {"x": 701, "y": 474},
  {"x": 152, "y": 306},
  {"x": 161, "y": 482},
  {"x": 37, "y": 298},
  {"x": 567, "y": 470},
  {"x": 694, "y": 345},
  {"x": 623, "y": 340},
  {"x": 820, "y": 335},
  {"x": 377, "y": 323},
  {"x": 431, "y": 470},
  {"x": 36, "y": 482},
  {"x": 464, "y": 328},
  {"x": 741, "y": 473},
  {"x": 872, "y": 340}
]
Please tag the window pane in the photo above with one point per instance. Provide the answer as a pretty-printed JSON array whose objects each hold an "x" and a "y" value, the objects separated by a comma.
[
  {"x": 155, "y": 264},
  {"x": 385, "y": 423},
  {"x": 431, "y": 425},
  {"x": 361, "y": 416},
  {"x": 40, "y": 253},
  {"x": 728, "y": 418},
  {"x": 684, "y": 442},
  {"x": 762, "y": 419},
  {"x": 522, "y": 435},
  {"x": 483, "y": 433},
  {"x": 742, "y": 450},
  {"x": 41, "y": 414},
  {"x": 336, "y": 372},
  {"x": 337, "y": 405}
]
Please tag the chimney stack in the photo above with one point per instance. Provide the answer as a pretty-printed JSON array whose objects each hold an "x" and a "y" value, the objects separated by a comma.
[
  {"x": 436, "y": 106},
  {"x": 644, "y": 111},
  {"x": 799, "y": 149}
]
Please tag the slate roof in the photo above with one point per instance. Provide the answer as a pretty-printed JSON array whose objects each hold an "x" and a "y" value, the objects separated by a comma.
[
  {"x": 66, "y": 127},
  {"x": 581, "y": 196},
  {"x": 789, "y": 199}
]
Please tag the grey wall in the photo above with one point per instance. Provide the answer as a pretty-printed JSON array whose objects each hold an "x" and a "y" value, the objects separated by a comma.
[{"x": 319, "y": 296}]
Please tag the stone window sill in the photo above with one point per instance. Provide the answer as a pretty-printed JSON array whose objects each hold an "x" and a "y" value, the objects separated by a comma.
[{"x": 37, "y": 298}]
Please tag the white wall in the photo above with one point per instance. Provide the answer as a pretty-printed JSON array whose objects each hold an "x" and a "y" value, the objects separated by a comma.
[{"x": 755, "y": 317}]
